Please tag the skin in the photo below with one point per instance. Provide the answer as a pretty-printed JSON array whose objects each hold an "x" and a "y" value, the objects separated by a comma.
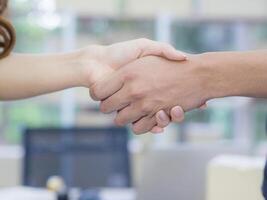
[
  {"x": 141, "y": 89},
  {"x": 23, "y": 76}
]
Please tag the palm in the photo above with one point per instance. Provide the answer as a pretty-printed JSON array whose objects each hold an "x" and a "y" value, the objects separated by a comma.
[{"x": 107, "y": 59}]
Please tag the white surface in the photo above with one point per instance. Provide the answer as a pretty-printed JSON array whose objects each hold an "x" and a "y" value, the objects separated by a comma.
[
  {"x": 10, "y": 166},
  {"x": 24, "y": 193},
  {"x": 118, "y": 194},
  {"x": 238, "y": 162},
  {"x": 235, "y": 177},
  {"x": 180, "y": 8},
  {"x": 27, "y": 193}
]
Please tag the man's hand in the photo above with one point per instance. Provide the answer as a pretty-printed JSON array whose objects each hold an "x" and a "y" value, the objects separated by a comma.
[
  {"x": 148, "y": 85},
  {"x": 103, "y": 60},
  {"x": 163, "y": 120}
]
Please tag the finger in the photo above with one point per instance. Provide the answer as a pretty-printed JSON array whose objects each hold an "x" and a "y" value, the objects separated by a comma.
[
  {"x": 105, "y": 88},
  {"x": 163, "y": 119},
  {"x": 161, "y": 49},
  {"x": 117, "y": 101},
  {"x": 157, "y": 130},
  {"x": 204, "y": 106},
  {"x": 144, "y": 125},
  {"x": 171, "y": 53},
  {"x": 177, "y": 114},
  {"x": 128, "y": 115}
]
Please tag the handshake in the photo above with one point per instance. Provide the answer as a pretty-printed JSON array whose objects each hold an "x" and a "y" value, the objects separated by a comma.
[{"x": 147, "y": 83}]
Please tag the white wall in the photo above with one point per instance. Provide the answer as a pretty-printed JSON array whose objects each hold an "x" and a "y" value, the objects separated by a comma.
[
  {"x": 138, "y": 8},
  {"x": 146, "y": 8},
  {"x": 91, "y": 7},
  {"x": 253, "y": 8}
]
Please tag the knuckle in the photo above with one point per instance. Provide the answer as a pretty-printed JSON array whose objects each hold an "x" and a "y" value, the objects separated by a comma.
[
  {"x": 118, "y": 121},
  {"x": 143, "y": 40},
  {"x": 145, "y": 107},
  {"x": 94, "y": 93},
  {"x": 136, "y": 130},
  {"x": 167, "y": 46},
  {"x": 135, "y": 93},
  {"x": 162, "y": 124},
  {"x": 129, "y": 76},
  {"x": 103, "y": 107}
]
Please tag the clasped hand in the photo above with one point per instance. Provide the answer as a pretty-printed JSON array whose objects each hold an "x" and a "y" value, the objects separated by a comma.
[{"x": 144, "y": 81}]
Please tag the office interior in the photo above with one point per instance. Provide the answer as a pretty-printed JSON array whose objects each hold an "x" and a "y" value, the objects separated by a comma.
[{"x": 59, "y": 146}]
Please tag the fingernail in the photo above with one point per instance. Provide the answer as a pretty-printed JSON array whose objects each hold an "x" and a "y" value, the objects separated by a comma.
[
  {"x": 183, "y": 54},
  {"x": 178, "y": 113},
  {"x": 162, "y": 116},
  {"x": 204, "y": 106},
  {"x": 185, "y": 57}
]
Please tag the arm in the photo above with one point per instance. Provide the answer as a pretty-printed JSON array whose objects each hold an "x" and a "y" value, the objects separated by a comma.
[
  {"x": 154, "y": 84},
  {"x": 252, "y": 84},
  {"x": 234, "y": 79},
  {"x": 23, "y": 76},
  {"x": 235, "y": 74}
]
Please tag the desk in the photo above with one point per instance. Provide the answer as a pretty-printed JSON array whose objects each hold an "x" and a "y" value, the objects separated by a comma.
[
  {"x": 118, "y": 194},
  {"x": 27, "y": 193}
]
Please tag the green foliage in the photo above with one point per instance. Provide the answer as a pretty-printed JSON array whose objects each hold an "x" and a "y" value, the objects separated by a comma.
[
  {"x": 20, "y": 6},
  {"x": 29, "y": 115},
  {"x": 30, "y": 36},
  {"x": 221, "y": 117},
  {"x": 259, "y": 123},
  {"x": 188, "y": 38}
]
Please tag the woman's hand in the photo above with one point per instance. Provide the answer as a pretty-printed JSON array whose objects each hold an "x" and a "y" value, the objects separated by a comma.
[{"x": 101, "y": 61}]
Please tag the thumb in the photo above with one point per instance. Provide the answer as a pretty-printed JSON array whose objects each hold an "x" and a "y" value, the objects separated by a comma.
[
  {"x": 106, "y": 87},
  {"x": 153, "y": 48}
]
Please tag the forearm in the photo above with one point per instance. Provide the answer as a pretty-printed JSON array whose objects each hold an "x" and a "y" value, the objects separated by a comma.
[
  {"x": 23, "y": 76},
  {"x": 235, "y": 74}
]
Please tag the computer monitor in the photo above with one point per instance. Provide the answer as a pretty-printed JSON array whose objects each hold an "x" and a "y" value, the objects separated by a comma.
[{"x": 83, "y": 157}]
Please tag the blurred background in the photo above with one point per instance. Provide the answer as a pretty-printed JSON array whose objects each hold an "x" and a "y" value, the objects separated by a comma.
[{"x": 217, "y": 153}]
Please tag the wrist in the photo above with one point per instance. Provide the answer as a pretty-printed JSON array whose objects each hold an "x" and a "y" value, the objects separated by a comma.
[
  {"x": 82, "y": 62},
  {"x": 215, "y": 76},
  {"x": 81, "y": 66},
  {"x": 92, "y": 64},
  {"x": 67, "y": 68}
]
